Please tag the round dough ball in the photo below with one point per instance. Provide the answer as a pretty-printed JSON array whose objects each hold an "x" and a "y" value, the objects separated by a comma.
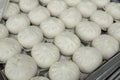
[
  {"x": 64, "y": 70},
  {"x": 67, "y": 42},
  {"x": 8, "y": 48},
  {"x": 51, "y": 27},
  {"x": 101, "y": 3},
  {"x": 107, "y": 45},
  {"x": 38, "y": 14},
  {"x": 113, "y": 9},
  {"x": 15, "y": 0},
  {"x": 71, "y": 17},
  {"x": 17, "y": 23},
  {"x": 86, "y": 8},
  {"x": 30, "y": 36},
  {"x": 28, "y": 5},
  {"x": 103, "y": 19},
  {"x": 45, "y": 54},
  {"x": 88, "y": 30},
  {"x": 12, "y": 10},
  {"x": 45, "y": 1},
  {"x": 72, "y": 2},
  {"x": 56, "y": 7},
  {"x": 87, "y": 58},
  {"x": 114, "y": 30},
  {"x": 39, "y": 78},
  {"x": 3, "y": 31},
  {"x": 20, "y": 67}
]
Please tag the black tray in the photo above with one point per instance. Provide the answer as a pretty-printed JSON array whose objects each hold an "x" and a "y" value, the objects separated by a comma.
[{"x": 108, "y": 71}]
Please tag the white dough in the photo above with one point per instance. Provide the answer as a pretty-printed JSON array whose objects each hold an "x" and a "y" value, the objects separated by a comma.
[
  {"x": 30, "y": 36},
  {"x": 38, "y": 14},
  {"x": 88, "y": 30},
  {"x": 103, "y": 19},
  {"x": 114, "y": 30},
  {"x": 3, "y": 31},
  {"x": 64, "y": 70},
  {"x": 87, "y": 58},
  {"x": 12, "y": 10},
  {"x": 107, "y": 45},
  {"x": 17, "y": 23},
  {"x": 86, "y": 8},
  {"x": 101, "y": 3},
  {"x": 64, "y": 58},
  {"x": 113, "y": 9},
  {"x": 72, "y": 2},
  {"x": 67, "y": 42},
  {"x": 20, "y": 67},
  {"x": 28, "y": 5},
  {"x": 39, "y": 78},
  {"x": 15, "y": 0},
  {"x": 52, "y": 26},
  {"x": 71, "y": 17},
  {"x": 56, "y": 7},
  {"x": 45, "y": 54},
  {"x": 70, "y": 30},
  {"x": 8, "y": 48},
  {"x": 45, "y": 1}
]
